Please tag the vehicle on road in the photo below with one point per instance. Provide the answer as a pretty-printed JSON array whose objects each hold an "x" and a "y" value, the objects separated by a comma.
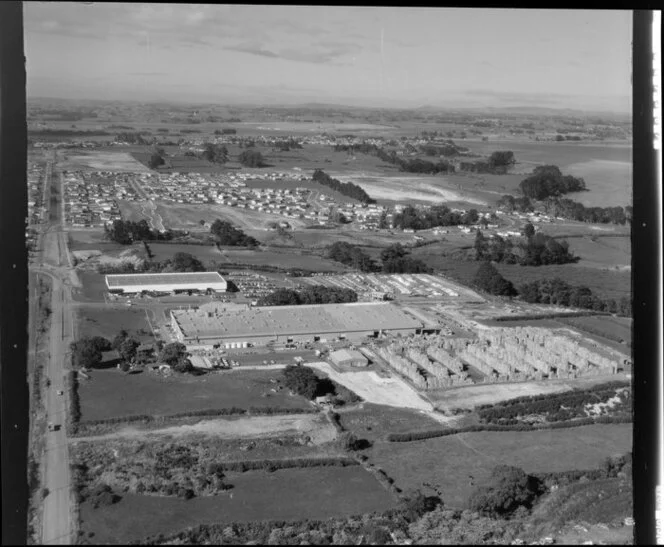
[
  {"x": 53, "y": 427},
  {"x": 60, "y": 392}
]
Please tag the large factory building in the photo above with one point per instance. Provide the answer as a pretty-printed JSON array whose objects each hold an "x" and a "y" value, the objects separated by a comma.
[
  {"x": 166, "y": 282},
  {"x": 239, "y": 325}
]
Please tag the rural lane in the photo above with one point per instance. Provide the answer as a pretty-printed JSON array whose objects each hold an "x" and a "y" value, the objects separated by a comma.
[{"x": 57, "y": 526}]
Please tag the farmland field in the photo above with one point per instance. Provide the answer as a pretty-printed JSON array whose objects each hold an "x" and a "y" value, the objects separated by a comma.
[
  {"x": 454, "y": 462},
  {"x": 111, "y": 393},
  {"x": 606, "y": 168},
  {"x": 287, "y": 494},
  {"x": 117, "y": 161},
  {"x": 279, "y": 259},
  {"x": 613, "y": 283}
]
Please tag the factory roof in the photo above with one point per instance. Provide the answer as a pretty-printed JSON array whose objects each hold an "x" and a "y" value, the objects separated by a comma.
[
  {"x": 282, "y": 320},
  {"x": 166, "y": 279}
]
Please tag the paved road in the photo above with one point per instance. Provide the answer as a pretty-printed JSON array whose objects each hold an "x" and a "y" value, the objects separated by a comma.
[{"x": 57, "y": 524}]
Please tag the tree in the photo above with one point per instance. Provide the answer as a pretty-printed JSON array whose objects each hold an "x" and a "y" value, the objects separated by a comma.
[
  {"x": 156, "y": 160},
  {"x": 528, "y": 230},
  {"x": 415, "y": 504},
  {"x": 393, "y": 252},
  {"x": 86, "y": 352},
  {"x": 480, "y": 245},
  {"x": 252, "y": 158},
  {"x": 172, "y": 353},
  {"x": 185, "y": 262},
  {"x": 509, "y": 488},
  {"x": 489, "y": 280},
  {"x": 301, "y": 380},
  {"x": 118, "y": 339},
  {"x": 215, "y": 153},
  {"x": 127, "y": 349}
]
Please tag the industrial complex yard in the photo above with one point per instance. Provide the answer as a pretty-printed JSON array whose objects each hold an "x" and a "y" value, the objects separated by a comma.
[{"x": 342, "y": 321}]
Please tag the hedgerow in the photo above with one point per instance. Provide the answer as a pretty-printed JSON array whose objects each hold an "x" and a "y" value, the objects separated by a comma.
[
  {"x": 422, "y": 435},
  {"x": 291, "y": 463}
]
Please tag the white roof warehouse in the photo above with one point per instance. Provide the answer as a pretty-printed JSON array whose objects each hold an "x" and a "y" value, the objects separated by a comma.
[
  {"x": 169, "y": 282},
  {"x": 260, "y": 325}
]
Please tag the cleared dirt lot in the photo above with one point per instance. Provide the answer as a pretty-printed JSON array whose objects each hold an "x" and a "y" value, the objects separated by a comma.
[
  {"x": 381, "y": 391},
  {"x": 314, "y": 425},
  {"x": 472, "y": 396}
]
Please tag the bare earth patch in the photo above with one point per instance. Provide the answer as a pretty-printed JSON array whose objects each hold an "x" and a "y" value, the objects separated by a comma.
[{"x": 315, "y": 426}]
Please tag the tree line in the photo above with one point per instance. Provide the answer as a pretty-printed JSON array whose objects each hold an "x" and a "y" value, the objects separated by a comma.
[
  {"x": 87, "y": 352},
  {"x": 345, "y": 188},
  {"x": 559, "y": 292},
  {"x": 498, "y": 163},
  {"x": 538, "y": 249},
  {"x": 572, "y": 210},
  {"x": 315, "y": 294},
  {"x": 429, "y": 217},
  {"x": 127, "y": 232},
  {"x": 394, "y": 259}
]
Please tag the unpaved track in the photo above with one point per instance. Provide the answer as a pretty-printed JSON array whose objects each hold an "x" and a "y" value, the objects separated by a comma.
[{"x": 315, "y": 426}]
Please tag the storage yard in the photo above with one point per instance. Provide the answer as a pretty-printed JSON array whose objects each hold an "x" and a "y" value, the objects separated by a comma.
[{"x": 377, "y": 286}]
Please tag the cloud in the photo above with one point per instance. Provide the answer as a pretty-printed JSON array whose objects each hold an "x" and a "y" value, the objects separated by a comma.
[
  {"x": 148, "y": 74},
  {"x": 253, "y": 50},
  {"x": 319, "y": 53}
]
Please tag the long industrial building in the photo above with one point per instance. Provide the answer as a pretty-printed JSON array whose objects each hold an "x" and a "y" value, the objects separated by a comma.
[
  {"x": 166, "y": 282},
  {"x": 238, "y": 325}
]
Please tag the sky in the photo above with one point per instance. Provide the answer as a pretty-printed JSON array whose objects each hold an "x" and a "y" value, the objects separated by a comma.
[{"x": 365, "y": 56}]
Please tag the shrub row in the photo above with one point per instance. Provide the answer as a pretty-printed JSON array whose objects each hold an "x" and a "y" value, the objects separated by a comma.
[
  {"x": 383, "y": 478},
  {"x": 552, "y": 315},
  {"x": 421, "y": 435},
  {"x": 607, "y": 386},
  {"x": 74, "y": 415},
  {"x": 270, "y": 410},
  {"x": 291, "y": 463}
]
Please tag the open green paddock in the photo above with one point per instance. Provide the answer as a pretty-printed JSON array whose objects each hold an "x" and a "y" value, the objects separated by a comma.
[
  {"x": 288, "y": 494},
  {"x": 106, "y": 321},
  {"x": 458, "y": 463},
  {"x": 112, "y": 393},
  {"x": 374, "y": 422}
]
